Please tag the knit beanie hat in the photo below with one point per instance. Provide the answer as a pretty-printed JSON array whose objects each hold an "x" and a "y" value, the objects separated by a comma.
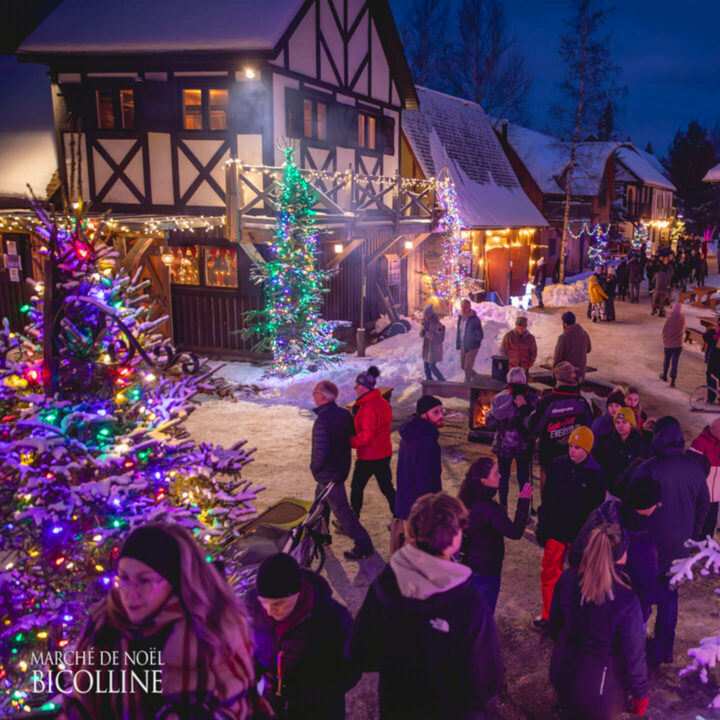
[
  {"x": 616, "y": 397},
  {"x": 626, "y": 413},
  {"x": 643, "y": 492},
  {"x": 582, "y": 437},
  {"x": 278, "y": 577},
  {"x": 520, "y": 321},
  {"x": 568, "y": 317},
  {"x": 159, "y": 550},
  {"x": 565, "y": 373},
  {"x": 425, "y": 403},
  {"x": 368, "y": 378},
  {"x": 429, "y": 310}
]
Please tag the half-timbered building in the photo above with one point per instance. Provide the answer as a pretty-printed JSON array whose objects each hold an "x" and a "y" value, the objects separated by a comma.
[{"x": 180, "y": 112}]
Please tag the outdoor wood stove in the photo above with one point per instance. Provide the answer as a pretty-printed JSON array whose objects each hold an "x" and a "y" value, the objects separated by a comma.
[{"x": 482, "y": 391}]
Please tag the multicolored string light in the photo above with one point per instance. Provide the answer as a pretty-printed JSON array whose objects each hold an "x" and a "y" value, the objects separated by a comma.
[
  {"x": 640, "y": 236},
  {"x": 597, "y": 251}
]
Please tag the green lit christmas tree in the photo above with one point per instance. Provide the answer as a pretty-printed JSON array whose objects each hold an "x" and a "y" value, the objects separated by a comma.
[{"x": 290, "y": 325}]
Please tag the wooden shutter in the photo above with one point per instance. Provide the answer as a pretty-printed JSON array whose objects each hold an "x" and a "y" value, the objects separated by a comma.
[
  {"x": 293, "y": 113},
  {"x": 386, "y": 132}
]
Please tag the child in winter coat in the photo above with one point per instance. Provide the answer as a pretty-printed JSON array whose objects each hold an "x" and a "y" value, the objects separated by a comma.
[
  {"x": 167, "y": 598},
  {"x": 484, "y": 545},
  {"x": 432, "y": 331},
  {"x": 512, "y": 441},
  {"x": 574, "y": 488},
  {"x": 597, "y": 295},
  {"x": 596, "y": 621}
]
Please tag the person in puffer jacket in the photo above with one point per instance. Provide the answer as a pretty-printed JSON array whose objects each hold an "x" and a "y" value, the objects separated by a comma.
[
  {"x": 508, "y": 412},
  {"x": 596, "y": 622},
  {"x": 426, "y": 628},
  {"x": 707, "y": 443}
]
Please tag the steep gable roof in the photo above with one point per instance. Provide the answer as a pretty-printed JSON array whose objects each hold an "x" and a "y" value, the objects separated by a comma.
[
  {"x": 450, "y": 132},
  {"x": 712, "y": 175},
  {"x": 645, "y": 171}
]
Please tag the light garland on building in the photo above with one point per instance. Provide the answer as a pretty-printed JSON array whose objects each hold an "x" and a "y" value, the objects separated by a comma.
[
  {"x": 597, "y": 251},
  {"x": 640, "y": 237}
]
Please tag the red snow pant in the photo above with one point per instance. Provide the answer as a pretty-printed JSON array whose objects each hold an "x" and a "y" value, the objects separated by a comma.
[{"x": 553, "y": 564}]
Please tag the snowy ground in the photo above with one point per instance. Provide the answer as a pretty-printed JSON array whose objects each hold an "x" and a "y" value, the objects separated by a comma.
[{"x": 278, "y": 422}]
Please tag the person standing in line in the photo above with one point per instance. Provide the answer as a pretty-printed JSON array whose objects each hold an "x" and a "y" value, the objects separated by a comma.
[
  {"x": 611, "y": 290},
  {"x": 425, "y": 626},
  {"x": 596, "y": 622},
  {"x": 632, "y": 400},
  {"x": 707, "y": 443},
  {"x": 508, "y": 412},
  {"x": 519, "y": 345},
  {"x": 712, "y": 361},
  {"x": 602, "y": 425},
  {"x": 673, "y": 334},
  {"x": 623, "y": 279},
  {"x": 371, "y": 441},
  {"x": 597, "y": 295},
  {"x": 469, "y": 339},
  {"x": 539, "y": 280},
  {"x": 419, "y": 468},
  {"x": 330, "y": 463},
  {"x": 432, "y": 331},
  {"x": 299, "y": 635},
  {"x": 662, "y": 287},
  {"x": 635, "y": 276},
  {"x": 573, "y": 345},
  {"x": 575, "y": 487},
  {"x": 484, "y": 544}
]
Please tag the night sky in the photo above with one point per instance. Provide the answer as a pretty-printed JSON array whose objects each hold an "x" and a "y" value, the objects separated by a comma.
[{"x": 669, "y": 53}]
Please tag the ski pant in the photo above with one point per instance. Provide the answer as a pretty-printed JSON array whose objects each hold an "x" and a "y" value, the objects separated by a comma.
[
  {"x": 598, "y": 311},
  {"x": 553, "y": 564},
  {"x": 672, "y": 356},
  {"x": 364, "y": 470},
  {"x": 337, "y": 503}
]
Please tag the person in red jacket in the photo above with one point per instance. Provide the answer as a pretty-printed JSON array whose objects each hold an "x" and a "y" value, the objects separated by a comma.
[
  {"x": 373, "y": 416},
  {"x": 707, "y": 443}
]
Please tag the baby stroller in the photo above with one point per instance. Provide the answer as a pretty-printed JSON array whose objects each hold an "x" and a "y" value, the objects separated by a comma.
[{"x": 295, "y": 527}]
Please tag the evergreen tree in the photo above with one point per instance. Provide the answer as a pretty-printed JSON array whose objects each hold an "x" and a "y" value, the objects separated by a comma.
[
  {"x": 290, "y": 325},
  {"x": 649, "y": 148},
  {"x": 92, "y": 443},
  {"x": 606, "y": 129}
]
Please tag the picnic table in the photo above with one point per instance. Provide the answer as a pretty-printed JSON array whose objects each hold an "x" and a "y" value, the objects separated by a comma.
[
  {"x": 702, "y": 296},
  {"x": 708, "y": 322}
]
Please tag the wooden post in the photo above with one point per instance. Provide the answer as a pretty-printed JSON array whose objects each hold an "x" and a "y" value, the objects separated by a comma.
[
  {"x": 50, "y": 360},
  {"x": 231, "y": 202}
]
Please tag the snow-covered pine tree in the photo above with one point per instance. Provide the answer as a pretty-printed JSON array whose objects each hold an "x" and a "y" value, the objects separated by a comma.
[
  {"x": 91, "y": 444},
  {"x": 290, "y": 325}
]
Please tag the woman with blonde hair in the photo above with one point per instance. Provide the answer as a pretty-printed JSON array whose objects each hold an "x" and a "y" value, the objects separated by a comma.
[
  {"x": 596, "y": 621},
  {"x": 174, "y": 614}
]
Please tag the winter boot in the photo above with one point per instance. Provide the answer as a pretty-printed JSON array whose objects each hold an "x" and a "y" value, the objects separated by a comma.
[
  {"x": 672, "y": 382},
  {"x": 663, "y": 377}
]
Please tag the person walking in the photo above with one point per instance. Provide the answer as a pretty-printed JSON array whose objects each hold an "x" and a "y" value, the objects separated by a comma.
[
  {"x": 484, "y": 544},
  {"x": 469, "y": 338},
  {"x": 508, "y": 412},
  {"x": 425, "y": 626},
  {"x": 596, "y": 623},
  {"x": 330, "y": 464},
  {"x": 557, "y": 416},
  {"x": 685, "y": 503},
  {"x": 574, "y": 488},
  {"x": 635, "y": 276},
  {"x": 419, "y": 469},
  {"x": 611, "y": 290},
  {"x": 662, "y": 287},
  {"x": 597, "y": 295},
  {"x": 519, "y": 345},
  {"x": 573, "y": 345},
  {"x": 623, "y": 279},
  {"x": 631, "y": 513},
  {"x": 432, "y": 331},
  {"x": 299, "y": 633},
  {"x": 371, "y": 441},
  {"x": 707, "y": 443},
  {"x": 539, "y": 280},
  {"x": 673, "y": 335}
]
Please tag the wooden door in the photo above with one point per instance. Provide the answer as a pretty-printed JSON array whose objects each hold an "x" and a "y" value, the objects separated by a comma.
[
  {"x": 520, "y": 257},
  {"x": 497, "y": 267}
]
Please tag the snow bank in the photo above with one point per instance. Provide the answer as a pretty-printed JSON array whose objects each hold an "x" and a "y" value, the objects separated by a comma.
[{"x": 563, "y": 295}]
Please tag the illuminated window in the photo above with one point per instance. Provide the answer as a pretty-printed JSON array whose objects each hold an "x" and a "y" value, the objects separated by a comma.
[
  {"x": 221, "y": 267},
  {"x": 321, "y": 121},
  {"x": 192, "y": 110},
  {"x": 218, "y": 109},
  {"x": 115, "y": 109},
  {"x": 184, "y": 269},
  {"x": 308, "y": 118},
  {"x": 105, "y": 109},
  {"x": 367, "y": 131},
  {"x": 314, "y": 119},
  {"x": 127, "y": 109}
]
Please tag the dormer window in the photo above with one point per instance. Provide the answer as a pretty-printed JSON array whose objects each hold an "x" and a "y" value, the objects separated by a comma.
[
  {"x": 205, "y": 108},
  {"x": 115, "y": 109}
]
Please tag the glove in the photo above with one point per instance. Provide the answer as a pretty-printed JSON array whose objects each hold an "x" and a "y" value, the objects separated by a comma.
[{"x": 640, "y": 706}]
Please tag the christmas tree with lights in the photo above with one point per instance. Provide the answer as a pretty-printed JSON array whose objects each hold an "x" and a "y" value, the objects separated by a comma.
[
  {"x": 290, "y": 325},
  {"x": 677, "y": 231},
  {"x": 92, "y": 401},
  {"x": 640, "y": 236}
]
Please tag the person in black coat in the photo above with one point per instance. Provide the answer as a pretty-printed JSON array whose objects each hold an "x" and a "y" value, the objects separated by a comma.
[
  {"x": 484, "y": 544},
  {"x": 419, "y": 468},
  {"x": 330, "y": 462},
  {"x": 574, "y": 488},
  {"x": 635, "y": 276},
  {"x": 611, "y": 283},
  {"x": 426, "y": 627},
  {"x": 685, "y": 503},
  {"x": 632, "y": 514},
  {"x": 539, "y": 280},
  {"x": 596, "y": 622},
  {"x": 299, "y": 634},
  {"x": 712, "y": 361}
]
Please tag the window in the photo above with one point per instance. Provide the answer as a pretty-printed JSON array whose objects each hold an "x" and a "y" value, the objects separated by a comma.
[
  {"x": 205, "y": 109},
  {"x": 367, "y": 131},
  {"x": 314, "y": 119},
  {"x": 184, "y": 268},
  {"x": 212, "y": 267},
  {"x": 220, "y": 267},
  {"x": 115, "y": 109}
]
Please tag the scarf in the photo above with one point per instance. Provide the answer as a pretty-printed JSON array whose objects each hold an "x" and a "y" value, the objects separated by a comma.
[{"x": 193, "y": 674}]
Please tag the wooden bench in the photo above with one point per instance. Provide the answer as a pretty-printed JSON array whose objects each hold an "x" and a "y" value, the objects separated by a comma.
[
  {"x": 693, "y": 335},
  {"x": 683, "y": 297},
  {"x": 702, "y": 296}
]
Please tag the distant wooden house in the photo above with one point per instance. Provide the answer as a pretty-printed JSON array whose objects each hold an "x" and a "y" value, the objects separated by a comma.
[
  {"x": 182, "y": 110},
  {"x": 500, "y": 221}
]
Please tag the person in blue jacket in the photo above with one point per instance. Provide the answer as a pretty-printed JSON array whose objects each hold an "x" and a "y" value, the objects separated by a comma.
[{"x": 469, "y": 338}]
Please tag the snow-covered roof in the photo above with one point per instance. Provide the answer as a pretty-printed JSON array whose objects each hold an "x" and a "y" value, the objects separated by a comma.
[
  {"x": 450, "y": 132},
  {"x": 646, "y": 171},
  {"x": 110, "y": 27},
  {"x": 712, "y": 175},
  {"x": 26, "y": 157}
]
